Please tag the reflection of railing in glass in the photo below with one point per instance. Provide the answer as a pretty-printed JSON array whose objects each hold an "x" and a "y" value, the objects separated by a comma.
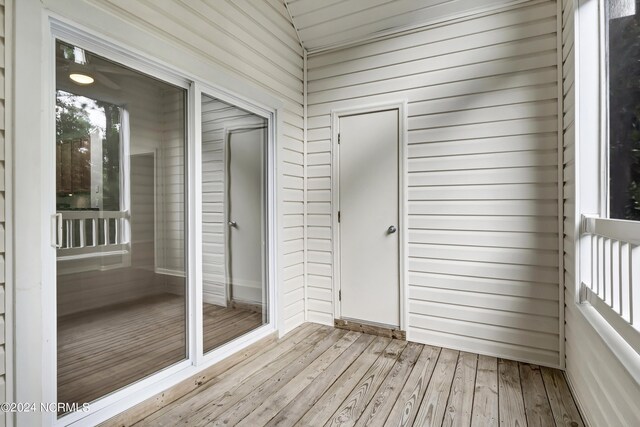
[{"x": 88, "y": 233}]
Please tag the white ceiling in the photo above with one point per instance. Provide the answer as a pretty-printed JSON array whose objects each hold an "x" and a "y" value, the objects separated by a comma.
[{"x": 323, "y": 24}]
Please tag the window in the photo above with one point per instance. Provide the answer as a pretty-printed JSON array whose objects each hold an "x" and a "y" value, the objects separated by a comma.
[
  {"x": 88, "y": 153},
  {"x": 622, "y": 66}
]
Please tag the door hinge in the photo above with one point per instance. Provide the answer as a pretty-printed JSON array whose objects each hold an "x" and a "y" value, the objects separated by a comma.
[
  {"x": 338, "y": 138},
  {"x": 338, "y": 216},
  {"x": 340, "y": 295}
]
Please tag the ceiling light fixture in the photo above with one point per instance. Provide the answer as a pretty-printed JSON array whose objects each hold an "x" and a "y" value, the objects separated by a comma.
[{"x": 81, "y": 79}]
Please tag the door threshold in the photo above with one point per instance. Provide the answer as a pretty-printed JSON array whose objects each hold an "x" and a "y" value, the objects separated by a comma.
[{"x": 365, "y": 328}]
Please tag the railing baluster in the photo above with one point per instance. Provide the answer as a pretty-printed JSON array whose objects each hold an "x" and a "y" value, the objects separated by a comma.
[
  {"x": 105, "y": 223},
  {"x": 625, "y": 281},
  {"x": 606, "y": 265},
  {"x": 72, "y": 233},
  {"x": 116, "y": 231},
  {"x": 634, "y": 260},
  {"x": 94, "y": 232},
  {"x": 82, "y": 236},
  {"x": 69, "y": 224},
  {"x": 600, "y": 264},
  {"x": 616, "y": 269},
  {"x": 594, "y": 263}
]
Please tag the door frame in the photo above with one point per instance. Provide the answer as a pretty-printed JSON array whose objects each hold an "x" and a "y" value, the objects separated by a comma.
[{"x": 336, "y": 114}]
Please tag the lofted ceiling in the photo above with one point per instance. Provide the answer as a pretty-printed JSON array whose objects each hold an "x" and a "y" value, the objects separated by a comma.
[{"x": 323, "y": 24}]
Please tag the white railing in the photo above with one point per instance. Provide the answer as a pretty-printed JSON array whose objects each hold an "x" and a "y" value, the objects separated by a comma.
[
  {"x": 613, "y": 285},
  {"x": 92, "y": 233}
]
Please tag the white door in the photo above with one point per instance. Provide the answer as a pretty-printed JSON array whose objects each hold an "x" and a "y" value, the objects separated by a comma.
[
  {"x": 244, "y": 211},
  {"x": 368, "y": 220}
]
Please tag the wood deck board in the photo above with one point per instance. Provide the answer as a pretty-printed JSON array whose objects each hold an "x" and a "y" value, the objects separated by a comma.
[
  {"x": 317, "y": 375},
  {"x": 536, "y": 402},
  {"x": 460, "y": 402},
  {"x": 295, "y": 409},
  {"x": 510, "y": 399},
  {"x": 354, "y": 405},
  {"x": 485, "y": 398},
  {"x": 292, "y": 389},
  {"x": 384, "y": 399},
  {"x": 250, "y": 402},
  {"x": 219, "y": 387},
  {"x": 321, "y": 411},
  {"x": 408, "y": 403},
  {"x": 565, "y": 411},
  {"x": 434, "y": 403}
]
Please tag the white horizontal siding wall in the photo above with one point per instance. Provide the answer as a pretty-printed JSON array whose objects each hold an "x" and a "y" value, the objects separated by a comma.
[
  {"x": 483, "y": 176},
  {"x": 255, "y": 41},
  {"x": 4, "y": 58},
  {"x": 603, "y": 388},
  {"x": 322, "y": 25},
  {"x": 171, "y": 248}
]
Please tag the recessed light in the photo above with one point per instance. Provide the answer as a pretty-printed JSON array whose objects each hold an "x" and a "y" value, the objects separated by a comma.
[{"x": 81, "y": 79}]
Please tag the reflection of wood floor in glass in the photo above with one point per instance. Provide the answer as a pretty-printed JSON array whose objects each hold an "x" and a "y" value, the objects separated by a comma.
[
  {"x": 103, "y": 350},
  {"x": 223, "y": 324}
]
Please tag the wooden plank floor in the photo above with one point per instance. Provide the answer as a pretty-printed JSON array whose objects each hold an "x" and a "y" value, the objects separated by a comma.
[
  {"x": 103, "y": 350},
  {"x": 320, "y": 376}
]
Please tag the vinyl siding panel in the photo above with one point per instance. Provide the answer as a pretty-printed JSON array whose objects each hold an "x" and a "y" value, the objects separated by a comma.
[
  {"x": 3, "y": 302},
  {"x": 255, "y": 42},
  {"x": 323, "y": 25},
  {"x": 605, "y": 391},
  {"x": 482, "y": 176},
  {"x": 171, "y": 173}
]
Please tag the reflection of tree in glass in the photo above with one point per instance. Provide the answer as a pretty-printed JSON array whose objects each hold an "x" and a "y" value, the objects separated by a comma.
[
  {"x": 111, "y": 157},
  {"x": 77, "y": 117},
  {"x": 624, "y": 117},
  {"x": 72, "y": 119}
]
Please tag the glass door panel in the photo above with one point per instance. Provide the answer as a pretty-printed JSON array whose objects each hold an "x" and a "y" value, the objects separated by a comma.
[
  {"x": 234, "y": 146},
  {"x": 120, "y": 196}
]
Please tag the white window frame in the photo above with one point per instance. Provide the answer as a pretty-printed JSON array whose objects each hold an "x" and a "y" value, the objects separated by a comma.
[
  {"x": 604, "y": 168},
  {"x": 44, "y": 359},
  {"x": 592, "y": 176}
]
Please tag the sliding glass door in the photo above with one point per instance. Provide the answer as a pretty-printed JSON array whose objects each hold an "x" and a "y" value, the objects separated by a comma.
[
  {"x": 133, "y": 298},
  {"x": 120, "y": 225}
]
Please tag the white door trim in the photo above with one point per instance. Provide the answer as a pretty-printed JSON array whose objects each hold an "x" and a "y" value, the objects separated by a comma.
[{"x": 401, "y": 107}]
